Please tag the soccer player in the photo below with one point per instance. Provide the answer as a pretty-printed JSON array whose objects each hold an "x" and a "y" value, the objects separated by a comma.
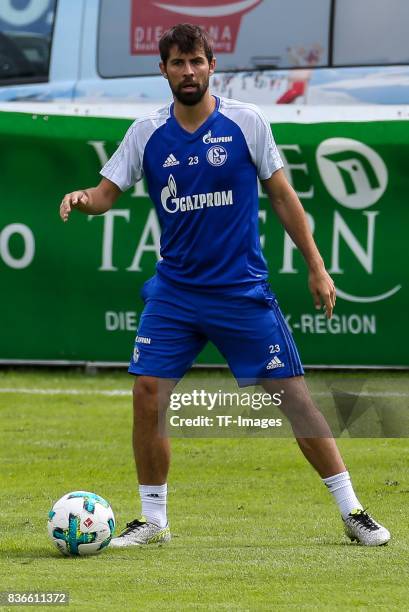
[{"x": 201, "y": 156}]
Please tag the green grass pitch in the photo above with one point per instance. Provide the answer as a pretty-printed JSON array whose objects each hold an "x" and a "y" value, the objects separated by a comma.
[{"x": 253, "y": 527}]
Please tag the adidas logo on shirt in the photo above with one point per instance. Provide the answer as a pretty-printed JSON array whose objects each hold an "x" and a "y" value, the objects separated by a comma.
[
  {"x": 171, "y": 161},
  {"x": 275, "y": 363}
]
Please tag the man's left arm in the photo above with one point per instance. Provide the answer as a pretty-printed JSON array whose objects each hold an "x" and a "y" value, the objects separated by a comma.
[{"x": 289, "y": 210}]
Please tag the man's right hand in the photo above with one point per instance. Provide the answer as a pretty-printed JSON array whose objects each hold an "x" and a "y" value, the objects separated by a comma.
[{"x": 72, "y": 200}]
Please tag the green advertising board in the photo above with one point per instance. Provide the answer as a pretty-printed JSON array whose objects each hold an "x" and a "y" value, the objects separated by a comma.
[{"x": 70, "y": 292}]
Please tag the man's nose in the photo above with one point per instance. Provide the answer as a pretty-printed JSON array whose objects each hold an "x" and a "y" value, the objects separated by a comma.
[{"x": 188, "y": 69}]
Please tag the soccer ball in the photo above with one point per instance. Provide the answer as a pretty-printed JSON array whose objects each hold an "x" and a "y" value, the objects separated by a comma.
[{"x": 81, "y": 523}]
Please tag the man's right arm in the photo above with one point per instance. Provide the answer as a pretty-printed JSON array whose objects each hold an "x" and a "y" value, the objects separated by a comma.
[{"x": 92, "y": 201}]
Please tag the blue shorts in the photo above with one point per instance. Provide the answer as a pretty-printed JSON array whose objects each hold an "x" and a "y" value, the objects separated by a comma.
[{"x": 246, "y": 325}]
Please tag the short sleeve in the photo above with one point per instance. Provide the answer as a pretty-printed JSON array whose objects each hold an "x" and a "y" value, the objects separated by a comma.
[
  {"x": 124, "y": 168},
  {"x": 267, "y": 158}
]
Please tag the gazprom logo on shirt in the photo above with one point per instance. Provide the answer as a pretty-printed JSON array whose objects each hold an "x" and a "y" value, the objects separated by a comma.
[
  {"x": 207, "y": 138},
  {"x": 171, "y": 203}
]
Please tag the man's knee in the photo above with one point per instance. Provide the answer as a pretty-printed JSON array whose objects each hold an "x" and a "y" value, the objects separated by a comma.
[
  {"x": 151, "y": 394},
  {"x": 296, "y": 401},
  {"x": 145, "y": 386}
]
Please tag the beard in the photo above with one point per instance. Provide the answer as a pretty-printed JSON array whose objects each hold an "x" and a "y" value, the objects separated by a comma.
[{"x": 190, "y": 98}]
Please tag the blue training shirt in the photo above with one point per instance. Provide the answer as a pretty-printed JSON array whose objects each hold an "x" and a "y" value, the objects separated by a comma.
[{"x": 204, "y": 188}]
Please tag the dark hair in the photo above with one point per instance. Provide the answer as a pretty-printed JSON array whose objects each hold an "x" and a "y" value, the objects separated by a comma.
[{"x": 187, "y": 38}]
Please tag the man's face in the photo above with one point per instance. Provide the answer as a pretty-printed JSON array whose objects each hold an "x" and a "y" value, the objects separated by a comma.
[{"x": 188, "y": 75}]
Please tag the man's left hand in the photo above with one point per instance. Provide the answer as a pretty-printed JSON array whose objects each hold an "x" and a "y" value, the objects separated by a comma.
[{"x": 323, "y": 290}]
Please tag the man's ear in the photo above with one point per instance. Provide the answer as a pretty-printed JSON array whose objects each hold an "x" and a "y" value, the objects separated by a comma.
[
  {"x": 212, "y": 66},
  {"x": 162, "y": 68}
]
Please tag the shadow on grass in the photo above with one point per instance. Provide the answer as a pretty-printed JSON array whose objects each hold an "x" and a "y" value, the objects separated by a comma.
[
  {"x": 26, "y": 557},
  {"x": 29, "y": 556}
]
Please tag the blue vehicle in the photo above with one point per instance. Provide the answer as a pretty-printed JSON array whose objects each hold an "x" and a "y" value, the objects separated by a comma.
[{"x": 345, "y": 52}]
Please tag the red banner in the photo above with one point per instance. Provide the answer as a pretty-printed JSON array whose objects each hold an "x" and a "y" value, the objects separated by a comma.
[{"x": 220, "y": 18}]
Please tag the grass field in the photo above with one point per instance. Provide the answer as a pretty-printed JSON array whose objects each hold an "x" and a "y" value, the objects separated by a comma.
[{"x": 253, "y": 527}]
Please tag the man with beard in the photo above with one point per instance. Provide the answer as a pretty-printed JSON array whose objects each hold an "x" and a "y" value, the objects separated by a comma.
[{"x": 201, "y": 156}]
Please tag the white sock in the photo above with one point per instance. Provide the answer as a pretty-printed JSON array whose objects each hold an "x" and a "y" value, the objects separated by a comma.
[
  {"x": 153, "y": 498},
  {"x": 341, "y": 488}
]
